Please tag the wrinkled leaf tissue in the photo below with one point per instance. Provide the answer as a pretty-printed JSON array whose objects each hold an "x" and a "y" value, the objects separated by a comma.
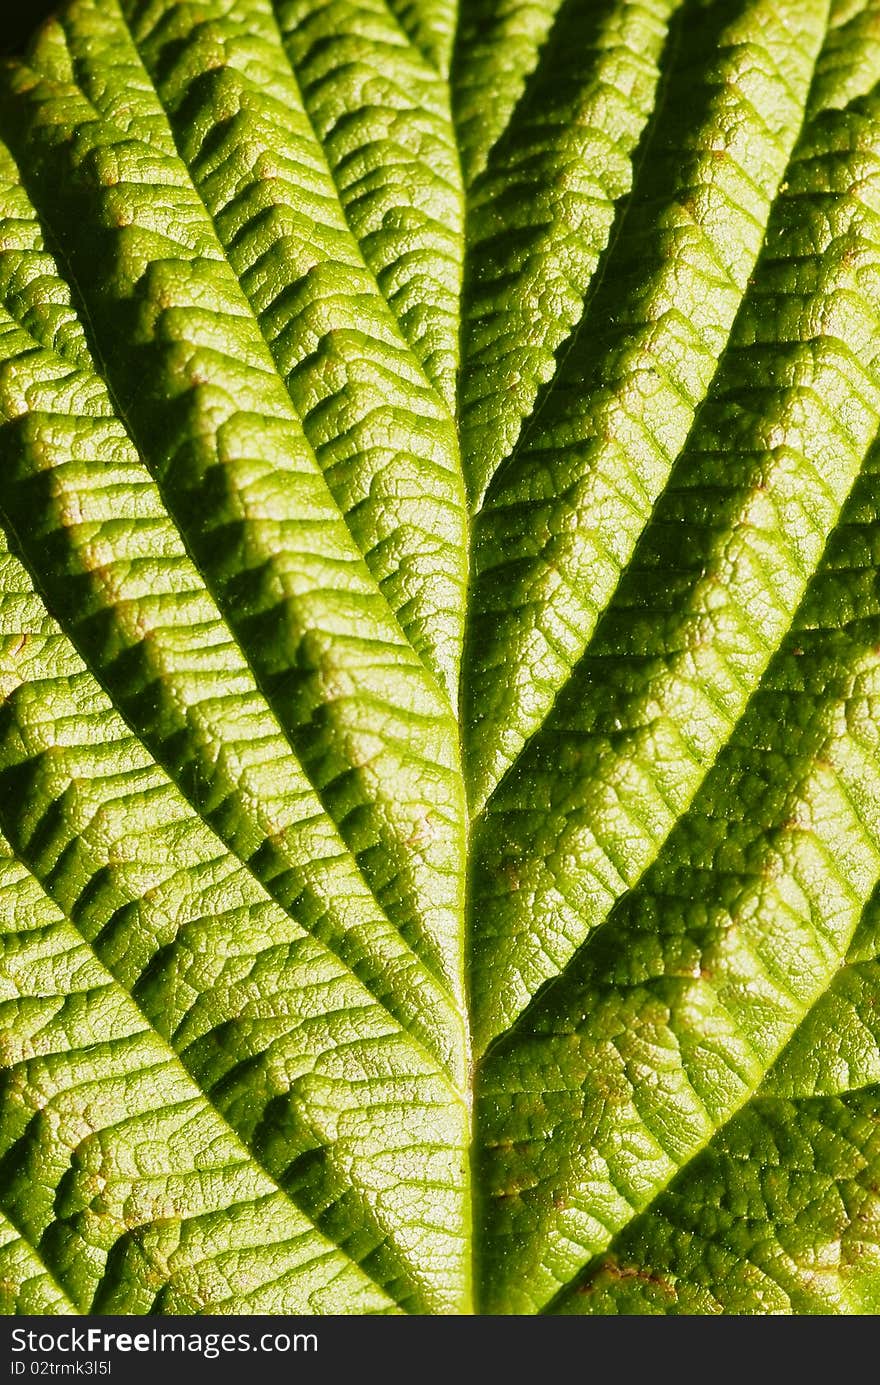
[{"x": 440, "y": 658}]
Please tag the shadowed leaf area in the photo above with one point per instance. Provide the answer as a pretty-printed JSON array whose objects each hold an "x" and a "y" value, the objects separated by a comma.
[{"x": 440, "y": 658}]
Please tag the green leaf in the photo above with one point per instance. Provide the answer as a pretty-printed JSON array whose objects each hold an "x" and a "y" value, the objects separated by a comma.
[{"x": 440, "y": 658}]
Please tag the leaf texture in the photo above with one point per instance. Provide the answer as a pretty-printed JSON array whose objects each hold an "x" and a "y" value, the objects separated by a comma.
[{"x": 440, "y": 658}]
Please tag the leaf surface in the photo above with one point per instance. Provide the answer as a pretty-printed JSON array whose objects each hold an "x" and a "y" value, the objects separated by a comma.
[{"x": 439, "y": 630}]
